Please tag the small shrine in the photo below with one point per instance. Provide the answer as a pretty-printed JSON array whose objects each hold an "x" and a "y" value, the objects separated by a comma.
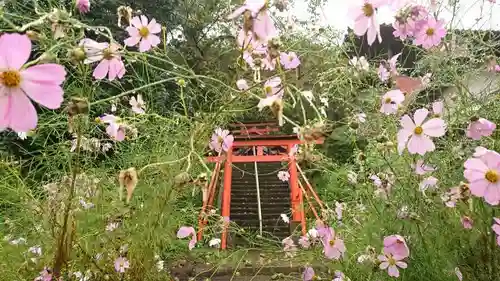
[{"x": 253, "y": 196}]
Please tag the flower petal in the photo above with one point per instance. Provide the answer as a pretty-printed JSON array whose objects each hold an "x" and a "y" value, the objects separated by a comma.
[
  {"x": 185, "y": 231},
  {"x": 48, "y": 95},
  {"x": 420, "y": 115},
  {"x": 434, "y": 127},
  {"x": 154, "y": 27},
  {"x": 20, "y": 114},
  {"x": 15, "y": 50},
  {"x": 132, "y": 41},
  {"x": 101, "y": 70}
]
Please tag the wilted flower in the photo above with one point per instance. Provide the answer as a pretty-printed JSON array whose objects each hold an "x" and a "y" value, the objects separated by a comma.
[
  {"x": 112, "y": 226},
  {"x": 360, "y": 63},
  {"x": 186, "y": 231},
  {"x": 480, "y": 128},
  {"x": 128, "y": 179},
  {"x": 124, "y": 13},
  {"x": 37, "y": 250},
  {"x": 242, "y": 85},
  {"x": 467, "y": 222},
  {"x": 421, "y": 168},
  {"x": 427, "y": 183}
]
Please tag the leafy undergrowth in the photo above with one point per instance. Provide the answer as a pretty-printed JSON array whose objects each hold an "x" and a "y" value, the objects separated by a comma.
[{"x": 106, "y": 123}]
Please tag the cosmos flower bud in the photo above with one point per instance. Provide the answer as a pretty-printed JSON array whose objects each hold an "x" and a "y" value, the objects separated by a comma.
[
  {"x": 77, "y": 106},
  {"x": 77, "y": 54}
]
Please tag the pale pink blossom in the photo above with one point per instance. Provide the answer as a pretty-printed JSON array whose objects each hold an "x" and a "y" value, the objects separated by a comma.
[
  {"x": 242, "y": 85},
  {"x": 391, "y": 102},
  {"x": 273, "y": 87},
  {"x": 480, "y": 151},
  {"x": 18, "y": 84},
  {"x": 496, "y": 229},
  {"x": 467, "y": 222},
  {"x": 340, "y": 276},
  {"x": 186, "y": 231},
  {"x": 308, "y": 274},
  {"x": 304, "y": 242},
  {"x": 110, "y": 64},
  {"x": 333, "y": 247},
  {"x": 427, "y": 183},
  {"x": 480, "y": 128},
  {"x": 458, "y": 273},
  {"x": 483, "y": 175},
  {"x": 391, "y": 263},
  {"x": 83, "y": 6},
  {"x": 222, "y": 140},
  {"x": 143, "y": 32},
  {"x": 360, "y": 63},
  {"x": 45, "y": 275},
  {"x": 416, "y": 136},
  {"x": 438, "y": 108},
  {"x": 138, "y": 105},
  {"x": 121, "y": 264},
  {"x": 289, "y": 247},
  {"x": 382, "y": 73},
  {"x": 365, "y": 19},
  {"x": 283, "y": 176},
  {"x": 290, "y": 60},
  {"x": 421, "y": 168},
  {"x": 261, "y": 23},
  {"x": 431, "y": 33},
  {"x": 115, "y": 128},
  {"x": 396, "y": 245}
]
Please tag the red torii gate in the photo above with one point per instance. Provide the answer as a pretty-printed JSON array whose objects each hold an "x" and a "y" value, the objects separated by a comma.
[{"x": 256, "y": 135}]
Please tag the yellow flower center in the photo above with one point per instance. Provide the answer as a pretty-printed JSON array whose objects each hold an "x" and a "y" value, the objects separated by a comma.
[
  {"x": 418, "y": 130},
  {"x": 220, "y": 139},
  {"x": 315, "y": 277},
  {"x": 268, "y": 89},
  {"x": 107, "y": 54},
  {"x": 10, "y": 78},
  {"x": 144, "y": 32},
  {"x": 290, "y": 58},
  {"x": 368, "y": 9},
  {"x": 331, "y": 242},
  {"x": 430, "y": 31},
  {"x": 391, "y": 260},
  {"x": 388, "y": 100},
  {"x": 492, "y": 176}
]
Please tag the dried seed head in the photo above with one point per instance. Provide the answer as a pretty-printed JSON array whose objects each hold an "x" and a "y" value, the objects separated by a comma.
[
  {"x": 77, "y": 106},
  {"x": 128, "y": 179},
  {"x": 182, "y": 178}
]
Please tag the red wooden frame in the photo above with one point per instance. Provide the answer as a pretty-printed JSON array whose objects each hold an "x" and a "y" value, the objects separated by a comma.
[{"x": 296, "y": 190}]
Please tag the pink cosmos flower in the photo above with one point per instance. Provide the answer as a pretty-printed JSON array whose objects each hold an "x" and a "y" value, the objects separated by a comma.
[
  {"x": 480, "y": 151},
  {"x": 427, "y": 183},
  {"x": 186, "y": 231},
  {"x": 480, "y": 128},
  {"x": 416, "y": 135},
  {"x": 391, "y": 102},
  {"x": 430, "y": 34},
  {"x": 110, "y": 60},
  {"x": 304, "y": 242},
  {"x": 365, "y": 19},
  {"x": 242, "y": 85},
  {"x": 273, "y": 87},
  {"x": 409, "y": 21},
  {"x": 83, "y": 6},
  {"x": 340, "y": 276},
  {"x": 138, "y": 105},
  {"x": 467, "y": 222},
  {"x": 257, "y": 18},
  {"x": 483, "y": 175},
  {"x": 391, "y": 263},
  {"x": 221, "y": 140},
  {"x": 496, "y": 229},
  {"x": 121, "y": 264},
  {"x": 283, "y": 175},
  {"x": 308, "y": 274},
  {"x": 333, "y": 247},
  {"x": 396, "y": 245},
  {"x": 289, "y": 246},
  {"x": 115, "y": 129},
  {"x": 41, "y": 83},
  {"x": 421, "y": 168},
  {"x": 45, "y": 275},
  {"x": 290, "y": 60},
  {"x": 143, "y": 32}
]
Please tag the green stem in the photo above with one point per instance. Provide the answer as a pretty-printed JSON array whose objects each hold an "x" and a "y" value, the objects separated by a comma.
[{"x": 184, "y": 102}]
